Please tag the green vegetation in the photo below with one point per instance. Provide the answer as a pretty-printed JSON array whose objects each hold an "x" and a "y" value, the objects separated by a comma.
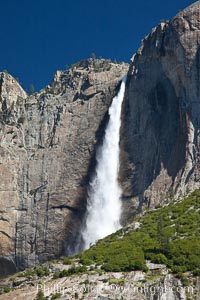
[
  {"x": 169, "y": 235},
  {"x": 56, "y": 296},
  {"x": 32, "y": 89},
  {"x": 66, "y": 261},
  {"x": 119, "y": 281},
  {"x": 183, "y": 279},
  {"x": 70, "y": 271},
  {"x": 85, "y": 282},
  {"x": 5, "y": 290},
  {"x": 39, "y": 271},
  {"x": 101, "y": 65},
  {"x": 40, "y": 296}
]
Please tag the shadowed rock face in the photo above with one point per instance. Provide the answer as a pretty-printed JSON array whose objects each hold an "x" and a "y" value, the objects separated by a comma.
[
  {"x": 47, "y": 150},
  {"x": 161, "y": 114},
  {"x": 7, "y": 267}
]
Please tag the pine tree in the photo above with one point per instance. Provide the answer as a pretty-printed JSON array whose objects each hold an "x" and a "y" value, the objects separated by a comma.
[{"x": 32, "y": 89}]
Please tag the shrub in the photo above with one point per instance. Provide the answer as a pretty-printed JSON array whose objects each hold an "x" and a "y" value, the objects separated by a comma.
[
  {"x": 183, "y": 279},
  {"x": 196, "y": 272},
  {"x": 41, "y": 271},
  {"x": 40, "y": 296},
  {"x": 67, "y": 261},
  {"x": 86, "y": 282},
  {"x": 157, "y": 258},
  {"x": 120, "y": 281},
  {"x": 56, "y": 296},
  {"x": 70, "y": 271},
  {"x": 32, "y": 89},
  {"x": 56, "y": 275},
  {"x": 86, "y": 261},
  {"x": 7, "y": 289}
]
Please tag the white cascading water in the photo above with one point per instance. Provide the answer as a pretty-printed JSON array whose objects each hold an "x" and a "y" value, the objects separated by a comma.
[{"x": 104, "y": 203}]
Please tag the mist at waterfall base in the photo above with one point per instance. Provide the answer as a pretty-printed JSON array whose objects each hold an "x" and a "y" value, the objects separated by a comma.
[{"x": 104, "y": 203}]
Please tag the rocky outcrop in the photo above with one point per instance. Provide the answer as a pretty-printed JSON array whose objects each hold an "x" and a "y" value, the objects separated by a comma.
[
  {"x": 161, "y": 114},
  {"x": 10, "y": 93},
  {"x": 158, "y": 284},
  {"x": 47, "y": 151}
]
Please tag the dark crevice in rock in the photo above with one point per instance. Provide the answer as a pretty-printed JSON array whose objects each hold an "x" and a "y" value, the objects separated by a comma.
[
  {"x": 7, "y": 267},
  {"x": 4, "y": 219},
  {"x": 46, "y": 221},
  {"x": 5, "y": 233},
  {"x": 56, "y": 122},
  {"x": 64, "y": 206}
]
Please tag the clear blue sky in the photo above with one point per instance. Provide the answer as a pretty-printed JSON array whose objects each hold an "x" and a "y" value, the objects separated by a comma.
[{"x": 40, "y": 36}]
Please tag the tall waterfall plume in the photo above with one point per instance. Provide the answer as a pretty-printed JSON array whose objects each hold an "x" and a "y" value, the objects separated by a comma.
[{"x": 104, "y": 203}]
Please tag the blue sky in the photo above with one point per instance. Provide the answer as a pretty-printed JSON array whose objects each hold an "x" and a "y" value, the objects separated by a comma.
[{"x": 40, "y": 36}]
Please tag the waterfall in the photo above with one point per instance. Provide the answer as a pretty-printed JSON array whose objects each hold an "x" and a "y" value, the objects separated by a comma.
[{"x": 103, "y": 203}]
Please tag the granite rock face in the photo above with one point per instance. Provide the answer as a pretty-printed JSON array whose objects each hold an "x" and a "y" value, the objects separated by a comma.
[
  {"x": 47, "y": 153},
  {"x": 160, "y": 135},
  {"x": 48, "y": 141}
]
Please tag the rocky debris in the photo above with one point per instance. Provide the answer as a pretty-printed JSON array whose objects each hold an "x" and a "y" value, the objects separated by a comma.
[
  {"x": 152, "y": 266},
  {"x": 96, "y": 284},
  {"x": 47, "y": 148},
  {"x": 161, "y": 115}
]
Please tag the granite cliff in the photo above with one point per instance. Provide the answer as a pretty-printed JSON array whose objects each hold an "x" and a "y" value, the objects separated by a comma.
[
  {"x": 49, "y": 139},
  {"x": 47, "y": 153},
  {"x": 161, "y": 114}
]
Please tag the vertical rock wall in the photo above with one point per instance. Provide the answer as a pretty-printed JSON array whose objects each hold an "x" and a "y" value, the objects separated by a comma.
[
  {"x": 161, "y": 114},
  {"x": 47, "y": 146}
]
